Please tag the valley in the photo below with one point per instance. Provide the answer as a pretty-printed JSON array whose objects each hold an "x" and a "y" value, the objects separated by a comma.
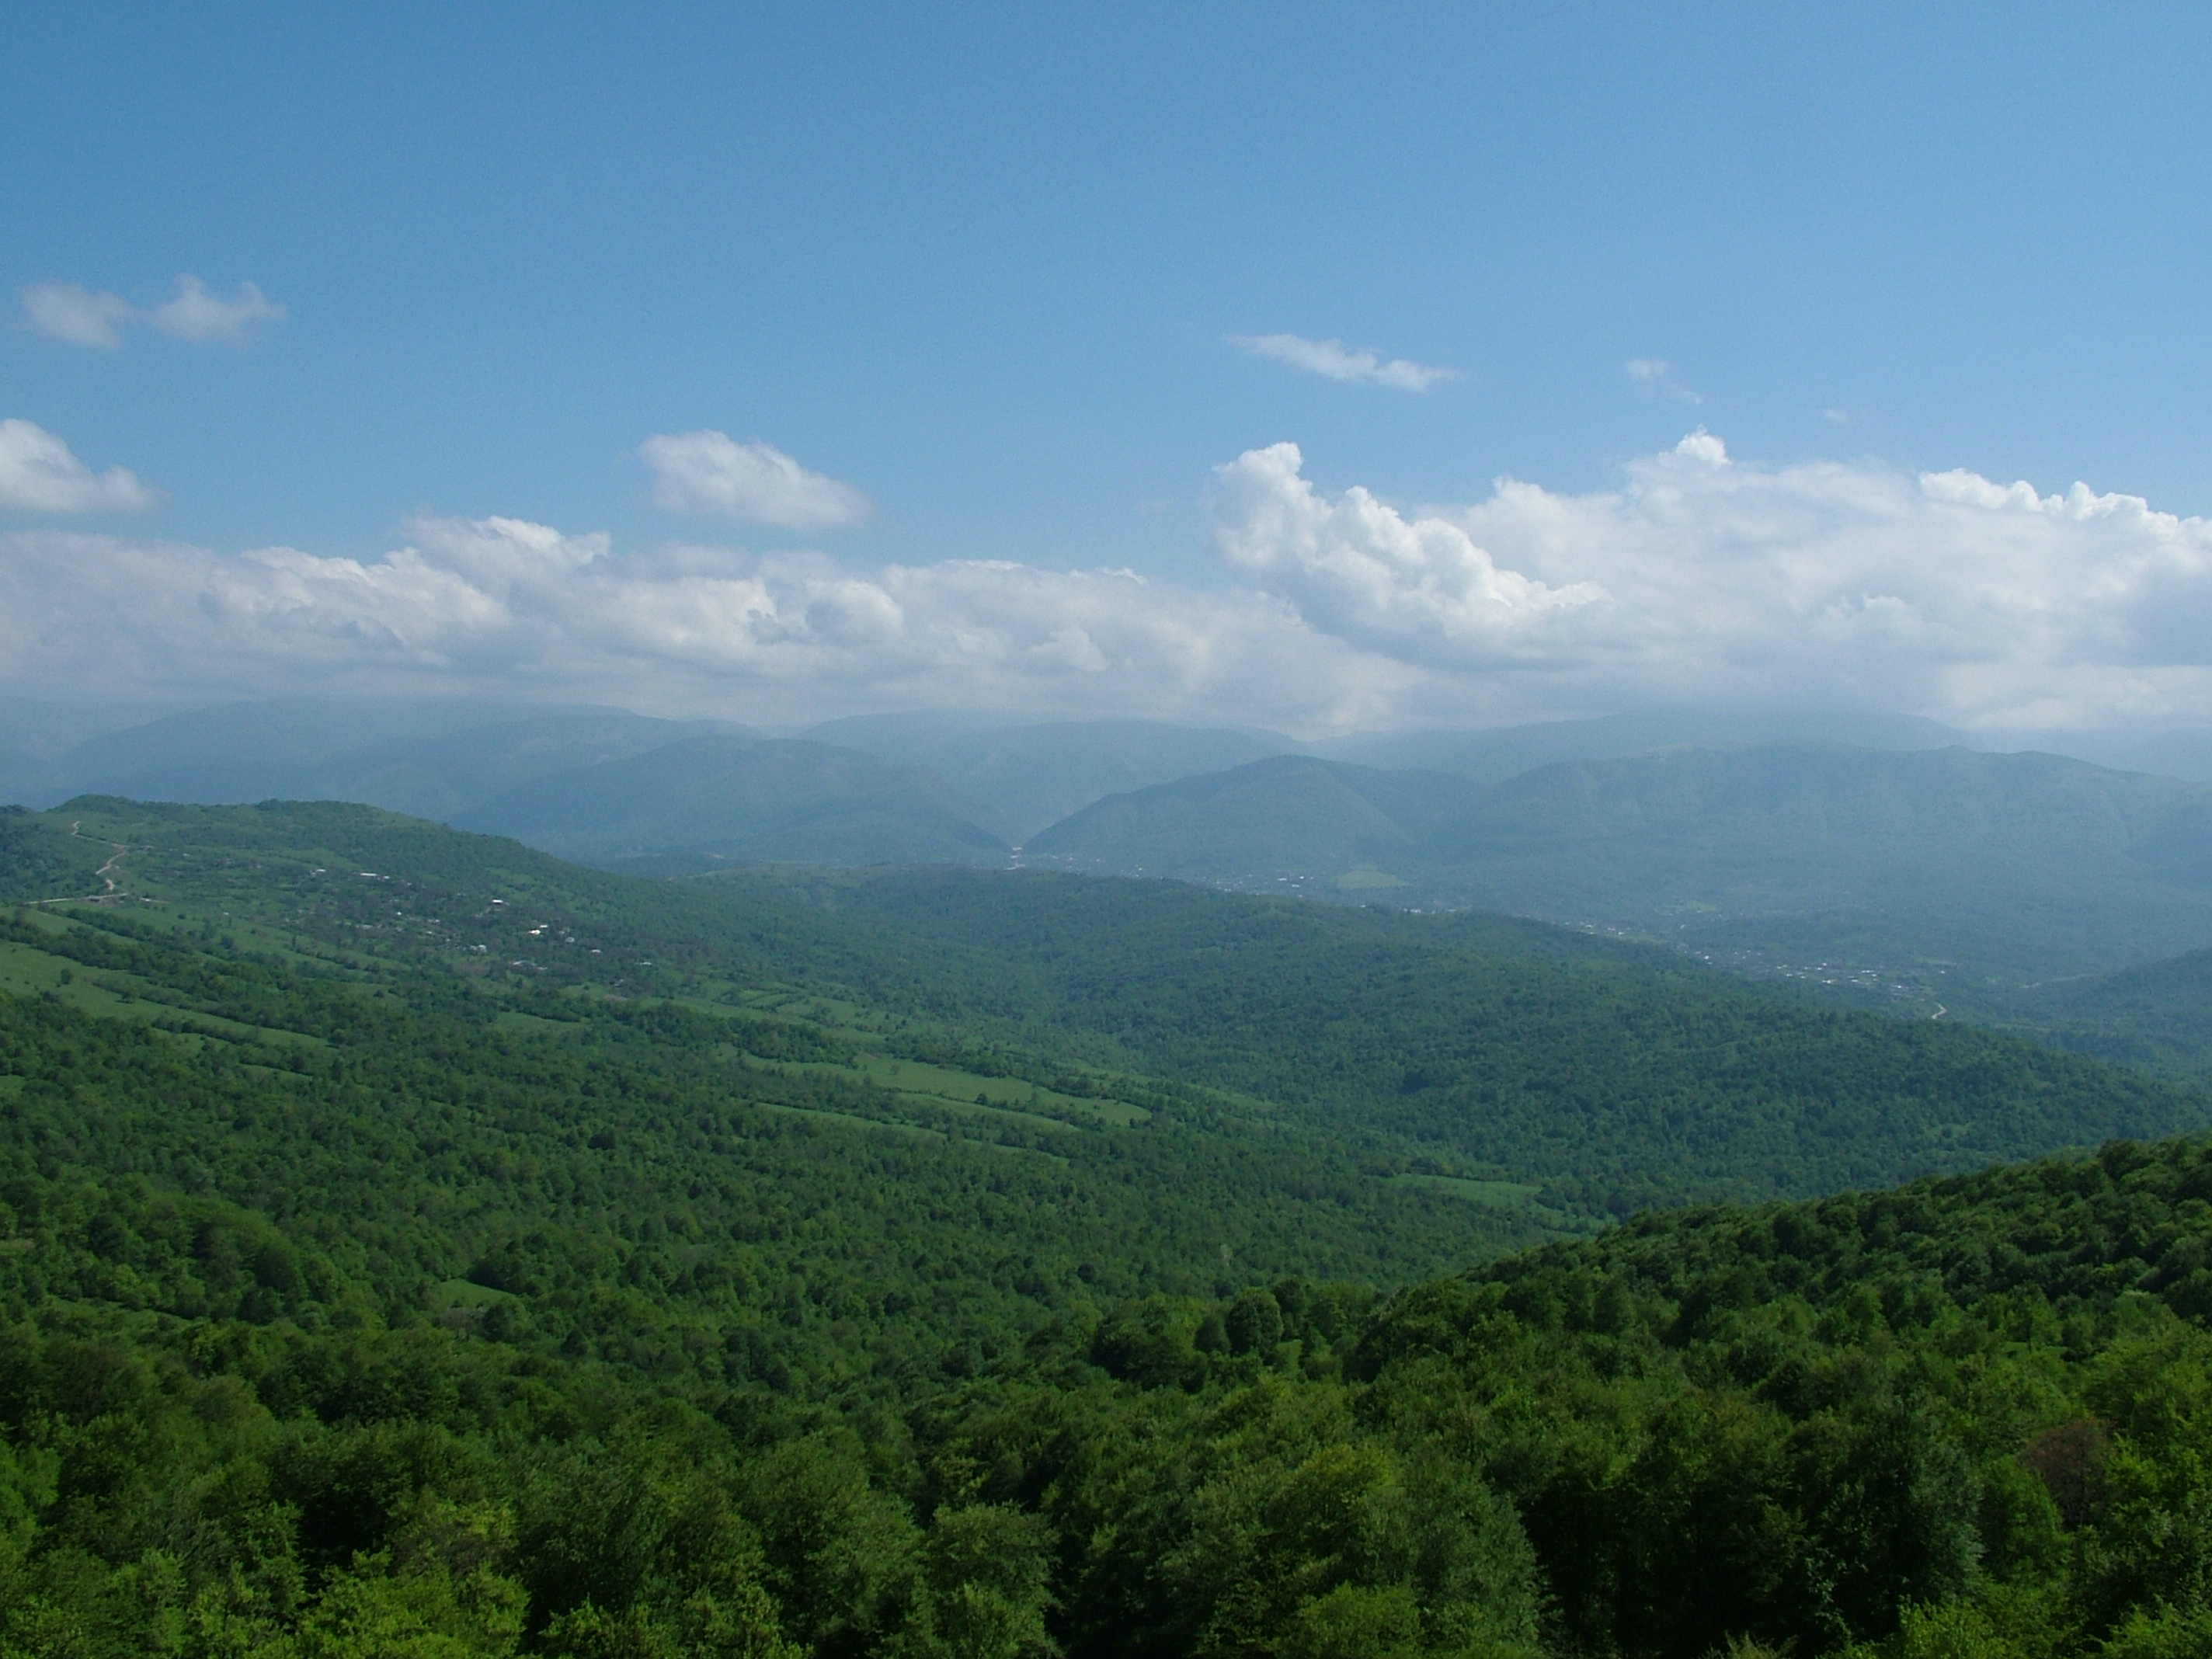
[{"x": 984, "y": 1229}]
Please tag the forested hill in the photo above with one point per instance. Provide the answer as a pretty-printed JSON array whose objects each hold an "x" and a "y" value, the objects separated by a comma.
[
  {"x": 1541, "y": 1077},
  {"x": 409, "y": 1244},
  {"x": 1972, "y": 1417}
]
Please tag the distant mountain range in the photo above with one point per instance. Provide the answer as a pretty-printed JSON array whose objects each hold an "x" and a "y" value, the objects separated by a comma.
[
  {"x": 726, "y": 798},
  {"x": 1989, "y": 867},
  {"x": 441, "y": 759},
  {"x": 1037, "y": 774},
  {"x": 1823, "y": 846},
  {"x": 431, "y": 757}
]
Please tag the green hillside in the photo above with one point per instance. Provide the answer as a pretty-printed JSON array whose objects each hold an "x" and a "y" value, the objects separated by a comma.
[
  {"x": 1611, "y": 1077},
  {"x": 1972, "y": 1416},
  {"x": 1594, "y": 1078},
  {"x": 2158, "y": 1015},
  {"x": 411, "y": 1244}
]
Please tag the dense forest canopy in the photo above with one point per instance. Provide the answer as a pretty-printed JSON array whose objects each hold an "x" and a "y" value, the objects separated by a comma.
[{"x": 411, "y": 1245}]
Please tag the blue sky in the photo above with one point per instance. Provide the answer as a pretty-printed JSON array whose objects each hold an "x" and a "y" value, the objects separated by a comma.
[{"x": 988, "y": 266}]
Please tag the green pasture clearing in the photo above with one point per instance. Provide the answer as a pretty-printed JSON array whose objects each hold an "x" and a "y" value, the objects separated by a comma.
[
  {"x": 511, "y": 1019},
  {"x": 26, "y": 971}
]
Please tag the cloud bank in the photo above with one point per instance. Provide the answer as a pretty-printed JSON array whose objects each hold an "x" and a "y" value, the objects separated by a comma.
[
  {"x": 1699, "y": 580},
  {"x": 704, "y": 473},
  {"x": 1333, "y": 359},
  {"x": 68, "y": 311},
  {"x": 37, "y": 474}
]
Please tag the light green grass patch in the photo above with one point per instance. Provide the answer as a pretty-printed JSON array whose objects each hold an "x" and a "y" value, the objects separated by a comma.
[
  {"x": 26, "y": 971},
  {"x": 511, "y": 1019}
]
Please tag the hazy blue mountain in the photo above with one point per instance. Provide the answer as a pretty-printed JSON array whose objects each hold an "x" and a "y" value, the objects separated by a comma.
[
  {"x": 708, "y": 799},
  {"x": 433, "y": 758},
  {"x": 1994, "y": 868},
  {"x": 1290, "y": 817},
  {"x": 1496, "y": 753},
  {"x": 443, "y": 777},
  {"x": 22, "y": 778},
  {"x": 1037, "y": 774},
  {"x": 287, "y": 732},
  {"x": 43, "y": 729},
  {"x": 2176, "y": 754}
]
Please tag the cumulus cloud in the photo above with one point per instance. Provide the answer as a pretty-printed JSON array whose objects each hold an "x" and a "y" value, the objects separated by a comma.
[
  {"x": 68, "y": 311},
  {"x": 1822, "y": 584},
  {"x": 37, "y": 474},
  {"x": 1338, "y": 361},
  {"x": 1361, "y": 570},
  {"x": 705, "y": 473},
  {"x": 1699, "y": 579}
]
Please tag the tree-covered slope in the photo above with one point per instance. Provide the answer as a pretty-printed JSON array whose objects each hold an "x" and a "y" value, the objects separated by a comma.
[
  {"x": 1611, "y": 1077},
  {"x": 1525, "y": 1071},
  {"x": 412, "y": 1245},
  {"x": 2158, "y": 1015},
  {"x": 1970, "y": 1418}
]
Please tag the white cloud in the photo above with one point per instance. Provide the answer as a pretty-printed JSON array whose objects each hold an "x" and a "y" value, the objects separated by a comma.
[
  {"x": 193, "y": 313},
  {"x": 37, "y": 474},
  {"x": 501, "y": 604},
  {"x": 1701, "y": 579},
  {"x": 1359, "y": 569},
  {"x": 67, "y": 311},
  {"x": 708, "y": 474},
  {"x": 1339, "y": 362},
  {"x": 1657, "y": 374},
  {"x": 1820, "y": 584}
]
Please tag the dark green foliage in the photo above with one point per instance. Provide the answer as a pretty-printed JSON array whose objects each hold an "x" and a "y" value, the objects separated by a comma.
[
  {"x": 1615, "y": 1078},
  {"x": 36, "y": 862}
]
